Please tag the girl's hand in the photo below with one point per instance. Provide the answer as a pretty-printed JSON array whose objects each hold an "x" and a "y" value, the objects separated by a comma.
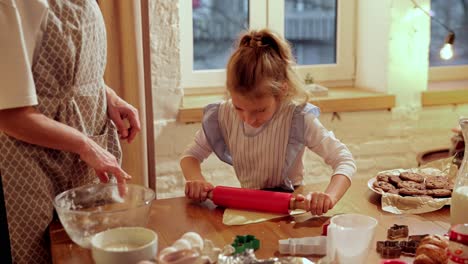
[
  {"x": 304, "y": 203},
  {"x": 119, "y": 110},
  {"x": 104, "y": 163},
  {"x": 320, "y": 202},
  {"x": 198, "y": 190}
]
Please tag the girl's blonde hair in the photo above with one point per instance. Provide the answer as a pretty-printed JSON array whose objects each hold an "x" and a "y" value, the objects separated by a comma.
[{"x": 263, "y": 59}]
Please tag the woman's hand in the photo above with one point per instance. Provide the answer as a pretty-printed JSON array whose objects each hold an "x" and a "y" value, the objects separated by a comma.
[
  {"x": 198, "y": 190},
  {"x": 103, "y": 162},
  {"x": 119, "y": 110},
  {"x": 320, "y": 202}
]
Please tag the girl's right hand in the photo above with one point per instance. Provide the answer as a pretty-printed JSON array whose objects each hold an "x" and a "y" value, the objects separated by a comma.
[{"x": 198, "y": 190}]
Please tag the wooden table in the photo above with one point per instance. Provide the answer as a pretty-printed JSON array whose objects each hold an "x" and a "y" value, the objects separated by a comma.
[{"x": 171, "y": 218}]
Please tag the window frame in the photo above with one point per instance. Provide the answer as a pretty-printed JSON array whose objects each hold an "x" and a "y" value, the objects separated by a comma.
[
  {"x": 448, "y": 73},
  {"x": 261, "y": 13}
]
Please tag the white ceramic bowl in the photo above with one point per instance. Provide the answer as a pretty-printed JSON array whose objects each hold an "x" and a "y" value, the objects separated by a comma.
[
  {"x": 90, "y": 209},
  {"x": 124, "y": 245}
]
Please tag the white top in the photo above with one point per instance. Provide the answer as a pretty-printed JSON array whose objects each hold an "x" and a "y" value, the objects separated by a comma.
[
  {"x": 21, "y": 25},
  {"x": 317, "y": 138}
]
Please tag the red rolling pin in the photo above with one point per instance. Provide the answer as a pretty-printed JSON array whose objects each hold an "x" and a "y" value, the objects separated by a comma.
[{"x": 256, "y": 200}]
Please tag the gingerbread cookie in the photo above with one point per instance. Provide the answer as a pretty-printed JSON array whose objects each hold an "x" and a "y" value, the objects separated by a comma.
[
  {"x": 397, "y": 231},
  {"x": 411, "y": 176},
  {"x": 409, "y": 247}
]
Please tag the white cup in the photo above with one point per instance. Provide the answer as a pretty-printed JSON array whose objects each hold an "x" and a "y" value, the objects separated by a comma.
[
  {"x": 349, "y": 237},
  {"x": 124, "y": 245}
]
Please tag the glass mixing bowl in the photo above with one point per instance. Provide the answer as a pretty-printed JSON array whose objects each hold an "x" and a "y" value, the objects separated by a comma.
[{"x": 90, "y": 209}]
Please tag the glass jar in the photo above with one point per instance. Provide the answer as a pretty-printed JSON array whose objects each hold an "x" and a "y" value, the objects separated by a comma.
[
  {"x": 457, "y": 250},
  {"x": 459, "y": 203}
]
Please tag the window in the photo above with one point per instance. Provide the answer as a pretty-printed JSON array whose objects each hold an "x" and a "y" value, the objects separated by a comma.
[
  {"x": 215, "y": 28},
  {"x": 321, "y": 33},
  {"x": 454, "y": 14}
]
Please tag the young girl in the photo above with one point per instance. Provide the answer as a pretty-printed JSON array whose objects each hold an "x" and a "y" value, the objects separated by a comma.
[{"x": 263, "y": 129}]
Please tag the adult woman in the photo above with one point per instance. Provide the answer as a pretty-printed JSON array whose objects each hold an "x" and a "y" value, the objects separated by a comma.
[{"x": 54, "y": 115}]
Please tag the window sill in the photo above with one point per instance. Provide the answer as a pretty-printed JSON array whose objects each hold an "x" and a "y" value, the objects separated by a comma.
[
  {"x": 445, "y": 93},
  {"x": 348, "y": 99}
]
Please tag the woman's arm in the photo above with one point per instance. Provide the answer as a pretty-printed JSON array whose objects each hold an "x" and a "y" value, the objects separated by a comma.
[{"x": 28, "y": 125}]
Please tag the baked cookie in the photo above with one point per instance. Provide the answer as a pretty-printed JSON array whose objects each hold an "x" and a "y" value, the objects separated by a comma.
[
  {"x": 436, "y": 182},
  {"x": 411, "y": 185},
  {"x": 383, "y": 177},
  {"x": 384, "y": 186},
  {"x": 439, "y": 193},
  {"x": 395, "y": 180},
  {"x": 411, "y": 192},
  {"x": 411, "y": 176}
]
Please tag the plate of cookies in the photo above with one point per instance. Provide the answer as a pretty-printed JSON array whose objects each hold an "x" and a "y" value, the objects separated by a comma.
[{"x": 427, "y": 182}]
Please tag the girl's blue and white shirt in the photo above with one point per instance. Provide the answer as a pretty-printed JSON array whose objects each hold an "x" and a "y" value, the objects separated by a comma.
[{"x": 269, "y": 156}]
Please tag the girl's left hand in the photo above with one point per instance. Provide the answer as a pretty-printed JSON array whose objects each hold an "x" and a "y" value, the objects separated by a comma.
[
  {"x": 320, "y": 202},
  {"x": 118, "y": 111}
]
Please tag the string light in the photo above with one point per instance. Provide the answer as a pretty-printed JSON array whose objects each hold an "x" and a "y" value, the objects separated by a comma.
[{"x": 446, "y": 52}]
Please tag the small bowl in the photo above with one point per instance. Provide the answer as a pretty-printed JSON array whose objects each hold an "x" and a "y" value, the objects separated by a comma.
[
  {"x": 124, "y": 245},
  {"x": 90, "y": 209}
]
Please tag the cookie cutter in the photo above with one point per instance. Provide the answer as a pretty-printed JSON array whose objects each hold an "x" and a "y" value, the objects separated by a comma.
[
  {"x": 397, "y": 231},
  {"x": 241, "y": 243},
  {"x": 303, "y": 246}
]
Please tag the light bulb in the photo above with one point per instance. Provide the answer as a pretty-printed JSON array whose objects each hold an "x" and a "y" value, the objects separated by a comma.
[{"x": 446, "y": 52}]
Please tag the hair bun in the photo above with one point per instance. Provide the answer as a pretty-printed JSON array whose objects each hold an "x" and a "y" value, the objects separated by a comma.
[{"x": 257, "y": 41}]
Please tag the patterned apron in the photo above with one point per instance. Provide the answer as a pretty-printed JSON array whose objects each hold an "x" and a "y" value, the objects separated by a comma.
[{"x": 68, "y": 68}]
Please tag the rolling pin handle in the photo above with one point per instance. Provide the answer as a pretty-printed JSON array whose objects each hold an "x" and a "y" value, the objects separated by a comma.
[
  {"x": 303, "y": 205},
  {"x": 210, "y": 195}
]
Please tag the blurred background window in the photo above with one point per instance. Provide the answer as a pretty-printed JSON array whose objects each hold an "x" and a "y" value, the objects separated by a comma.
[
  {"x": 216, "y": 25},
  {"x": 209, "y": 29},
  {"x": 454, "y": 14},
  {"x": 310, "y": 26}
]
